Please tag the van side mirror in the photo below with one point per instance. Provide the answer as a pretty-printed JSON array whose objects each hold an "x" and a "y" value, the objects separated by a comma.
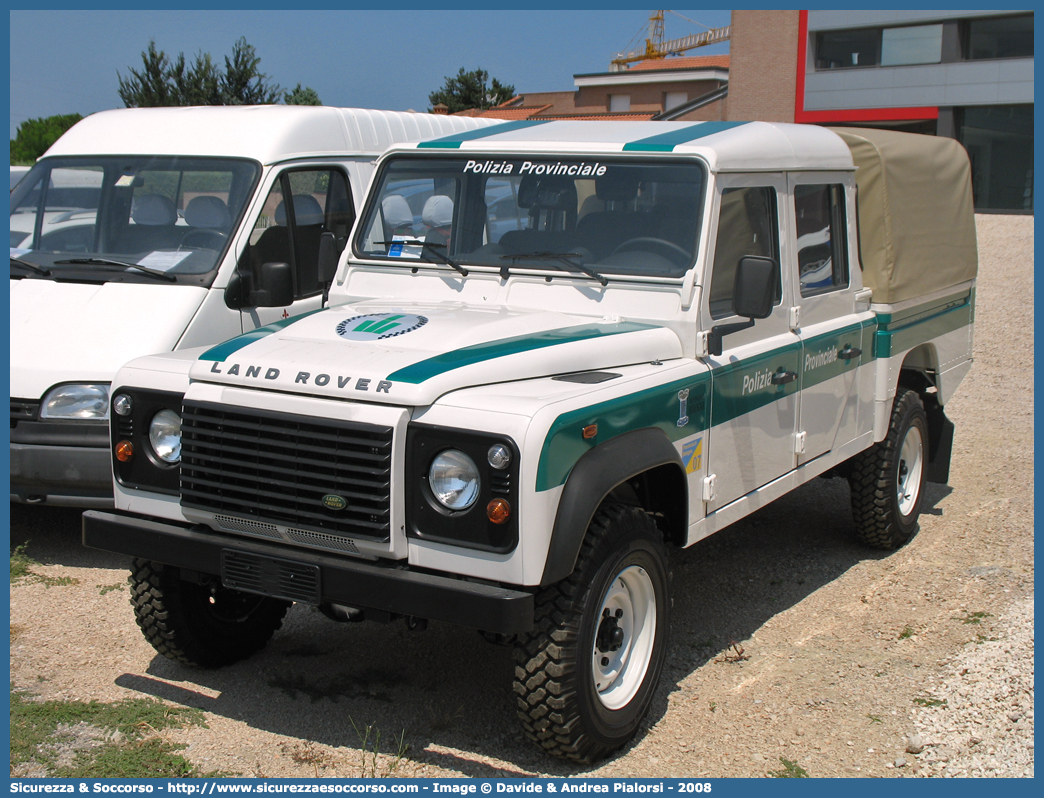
[
  {"x": 237, "y": 292},
  {"x": 277, "y": 286},
  {"x": 753, "y": 295}
]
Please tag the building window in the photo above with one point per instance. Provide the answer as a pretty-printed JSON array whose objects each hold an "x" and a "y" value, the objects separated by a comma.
[
  {"x": 920, "y": 44},
  {"x": 915, "y": 44},
  {"x": 619, "y": 103},
  {"x": 673, "y": 99},
  {"x": 999, "y": 141},
  {"x": 998, "y": 37}
]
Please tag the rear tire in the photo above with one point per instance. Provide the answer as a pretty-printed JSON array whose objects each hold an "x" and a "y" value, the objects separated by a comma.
[
  {"x": 200, "y": 625},
  {"x": 585, "y": 676},
  {"x": 887, "y": 480}
]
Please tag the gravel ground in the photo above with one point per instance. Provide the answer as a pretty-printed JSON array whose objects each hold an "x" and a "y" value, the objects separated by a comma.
[{"x": 789, "y": 640}]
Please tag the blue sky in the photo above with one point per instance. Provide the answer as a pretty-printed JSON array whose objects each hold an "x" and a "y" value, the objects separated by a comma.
[{"x": 66, "y": 61}]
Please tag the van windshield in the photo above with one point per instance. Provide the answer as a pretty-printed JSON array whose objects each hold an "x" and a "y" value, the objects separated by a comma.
[
  {"x": 78, "y": 218},
  {"x": 587, "y": 216}
]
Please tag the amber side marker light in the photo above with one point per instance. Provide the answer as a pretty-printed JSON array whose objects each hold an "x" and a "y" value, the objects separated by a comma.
[
  {"x": 124, "y": 451},
  {"x": 498, "y": 511},
  {"x": 590, "y": 431}
]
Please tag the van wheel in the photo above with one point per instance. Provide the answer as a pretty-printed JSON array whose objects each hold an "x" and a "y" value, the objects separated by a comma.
[
  {"x": 887, "y": 480},
  {"x": 586, "y": 674},
  {"x": 206, "y": 626}
]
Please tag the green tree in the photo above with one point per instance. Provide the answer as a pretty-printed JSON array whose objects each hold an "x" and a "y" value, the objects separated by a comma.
[
  {"x": 471, "y": 90},
  {"x": 34, "y": 136},
  {"x": 243, "y": 83},
  {"x": 299, "y": 96},
  {"x": 165, "y": 82}
]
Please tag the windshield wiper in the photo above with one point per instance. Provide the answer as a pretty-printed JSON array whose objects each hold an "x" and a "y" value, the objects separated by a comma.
[
  {"x": 562, "y": 257},
  {"x": 31, "y": 267},
  {"x": 429, "y": 246},
  {"x": 170, "y": 278}
]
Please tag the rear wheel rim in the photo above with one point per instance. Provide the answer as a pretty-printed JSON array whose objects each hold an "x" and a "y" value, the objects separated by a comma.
[
  {"x": 625, "y": 638},
  {"x": 909, "y": 470}
]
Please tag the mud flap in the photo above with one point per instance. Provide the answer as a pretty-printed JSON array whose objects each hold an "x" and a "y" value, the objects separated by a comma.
[{"x": 940, "y": 445}]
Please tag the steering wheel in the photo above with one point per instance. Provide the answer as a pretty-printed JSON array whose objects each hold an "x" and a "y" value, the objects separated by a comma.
[
  {"x": 644, "y": 243},
  {"x": 215, "y": 239}
]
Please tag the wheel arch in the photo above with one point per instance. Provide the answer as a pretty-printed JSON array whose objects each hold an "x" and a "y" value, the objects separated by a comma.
[
  {"x": 640, "y": 467},
  {"x": 920, "y": 373}
]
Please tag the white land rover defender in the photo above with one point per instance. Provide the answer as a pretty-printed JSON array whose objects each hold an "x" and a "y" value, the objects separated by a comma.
[
  {"x": 555, "y": 350},
  {"x": 147, "y": 229}
]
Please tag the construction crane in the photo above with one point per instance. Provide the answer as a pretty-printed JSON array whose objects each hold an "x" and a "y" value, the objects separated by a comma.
[{"x": 656, "y": 47}]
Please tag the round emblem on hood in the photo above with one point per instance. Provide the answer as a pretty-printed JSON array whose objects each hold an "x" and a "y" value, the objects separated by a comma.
[
  {"x": 334, "y": 502},
  {"x": 378, "y": 326}
]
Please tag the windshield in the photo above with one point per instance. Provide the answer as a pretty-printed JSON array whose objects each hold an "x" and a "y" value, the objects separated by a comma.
[
  {"x": 590, "y": 217},
  {"x": 120, "y": 218}
]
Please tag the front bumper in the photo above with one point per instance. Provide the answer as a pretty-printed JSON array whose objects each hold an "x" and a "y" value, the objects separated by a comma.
[
  {"x": 389, "y": 587},
  {"x": 73, "y": 476}
]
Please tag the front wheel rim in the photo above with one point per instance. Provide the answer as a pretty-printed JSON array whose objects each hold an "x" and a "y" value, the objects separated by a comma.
[
  {"x": 625, "y": 637},
  {"x": 908, "y": 472}
]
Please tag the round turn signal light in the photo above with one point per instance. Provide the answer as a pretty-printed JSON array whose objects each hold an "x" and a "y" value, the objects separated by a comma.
[
  {"x": 124, "y": 451},
  {"x": 498, "y": 511}
]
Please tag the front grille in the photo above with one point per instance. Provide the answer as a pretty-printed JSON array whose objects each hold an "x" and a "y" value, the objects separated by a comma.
[
  {"x": 23, "y": 410},
  {"x": 275, "y": 468}
]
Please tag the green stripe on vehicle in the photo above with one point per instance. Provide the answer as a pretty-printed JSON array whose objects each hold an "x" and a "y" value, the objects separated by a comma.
[
  {"x": 232, "y": 345},
  {"x": 662, "y": 407},
  {"x": 745, "y": 386},
  {"x": 458, "y": 358},
  {"x": 902, "y": 318},
  {"x": 456, "y": 139},
  {"x": 899, "y": 332},
  {"x": 821, "y": 359},
  {"x": 666, "y": 142}
]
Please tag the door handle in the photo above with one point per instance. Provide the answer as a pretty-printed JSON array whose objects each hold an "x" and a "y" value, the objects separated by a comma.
[
  {"x": 783, "y": 377},
  {"x": 848, "y": 353}
]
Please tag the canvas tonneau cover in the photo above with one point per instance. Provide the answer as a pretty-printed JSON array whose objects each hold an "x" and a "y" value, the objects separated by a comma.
[{"x": 916, "y": 213}]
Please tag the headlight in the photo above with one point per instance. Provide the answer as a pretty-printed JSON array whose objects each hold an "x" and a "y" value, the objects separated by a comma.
[
  {"x": 454, "y": 480},
  {"x": 165, "y": 436},
  {"x": 77, "y": 401}
]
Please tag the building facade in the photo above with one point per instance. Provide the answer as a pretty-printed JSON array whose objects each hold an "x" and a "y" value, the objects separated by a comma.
[{"x": 963, "y": 74}]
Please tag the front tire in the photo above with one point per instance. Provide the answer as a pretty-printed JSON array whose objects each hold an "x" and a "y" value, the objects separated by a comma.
[
  {"x": 585, "y": 676},
  {"x": 887, "y": 480},
  {"x": 201, "y": 625}
]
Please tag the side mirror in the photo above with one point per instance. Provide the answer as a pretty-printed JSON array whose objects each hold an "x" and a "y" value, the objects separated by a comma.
[
  {"x": 753, "y": 295},
  {"x": 756, "y": 286},
  {"x": 237, "y": 292},
  {"x": 277, "y": 286},
  {"x": 327, "y": 258}
]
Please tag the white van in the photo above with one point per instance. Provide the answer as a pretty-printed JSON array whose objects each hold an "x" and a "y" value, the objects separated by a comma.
[{"x": 156, "y": 229}]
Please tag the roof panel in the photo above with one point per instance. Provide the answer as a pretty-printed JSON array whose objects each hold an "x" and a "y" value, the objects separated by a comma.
[{"x": 730, "y": 146}]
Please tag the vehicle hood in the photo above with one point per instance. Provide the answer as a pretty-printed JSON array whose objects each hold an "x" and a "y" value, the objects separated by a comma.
[
  {"x": 73, "y": 332},
  {"x": 373, "y": 351}
]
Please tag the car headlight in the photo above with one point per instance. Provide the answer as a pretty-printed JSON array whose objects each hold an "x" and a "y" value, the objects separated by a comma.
[
  {"x": 165, "y": 436},
  {"x": 454, "y": 480},
  {"x": 77, "y": 401}
]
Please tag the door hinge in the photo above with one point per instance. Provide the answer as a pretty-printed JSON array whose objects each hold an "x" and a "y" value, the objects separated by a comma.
[
  {"x": 795, "y": 317},
  {"x": 709, "y": 487},
  {"x": 799, "y": 443},
  {"x": 703, "y": 343}
]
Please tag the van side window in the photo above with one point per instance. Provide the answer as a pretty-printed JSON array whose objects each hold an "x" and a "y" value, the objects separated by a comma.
[
  {"x": 301, "y": 206},
  {"x": 748, "y": 224},
  {"x": 819, "y": 211}
]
